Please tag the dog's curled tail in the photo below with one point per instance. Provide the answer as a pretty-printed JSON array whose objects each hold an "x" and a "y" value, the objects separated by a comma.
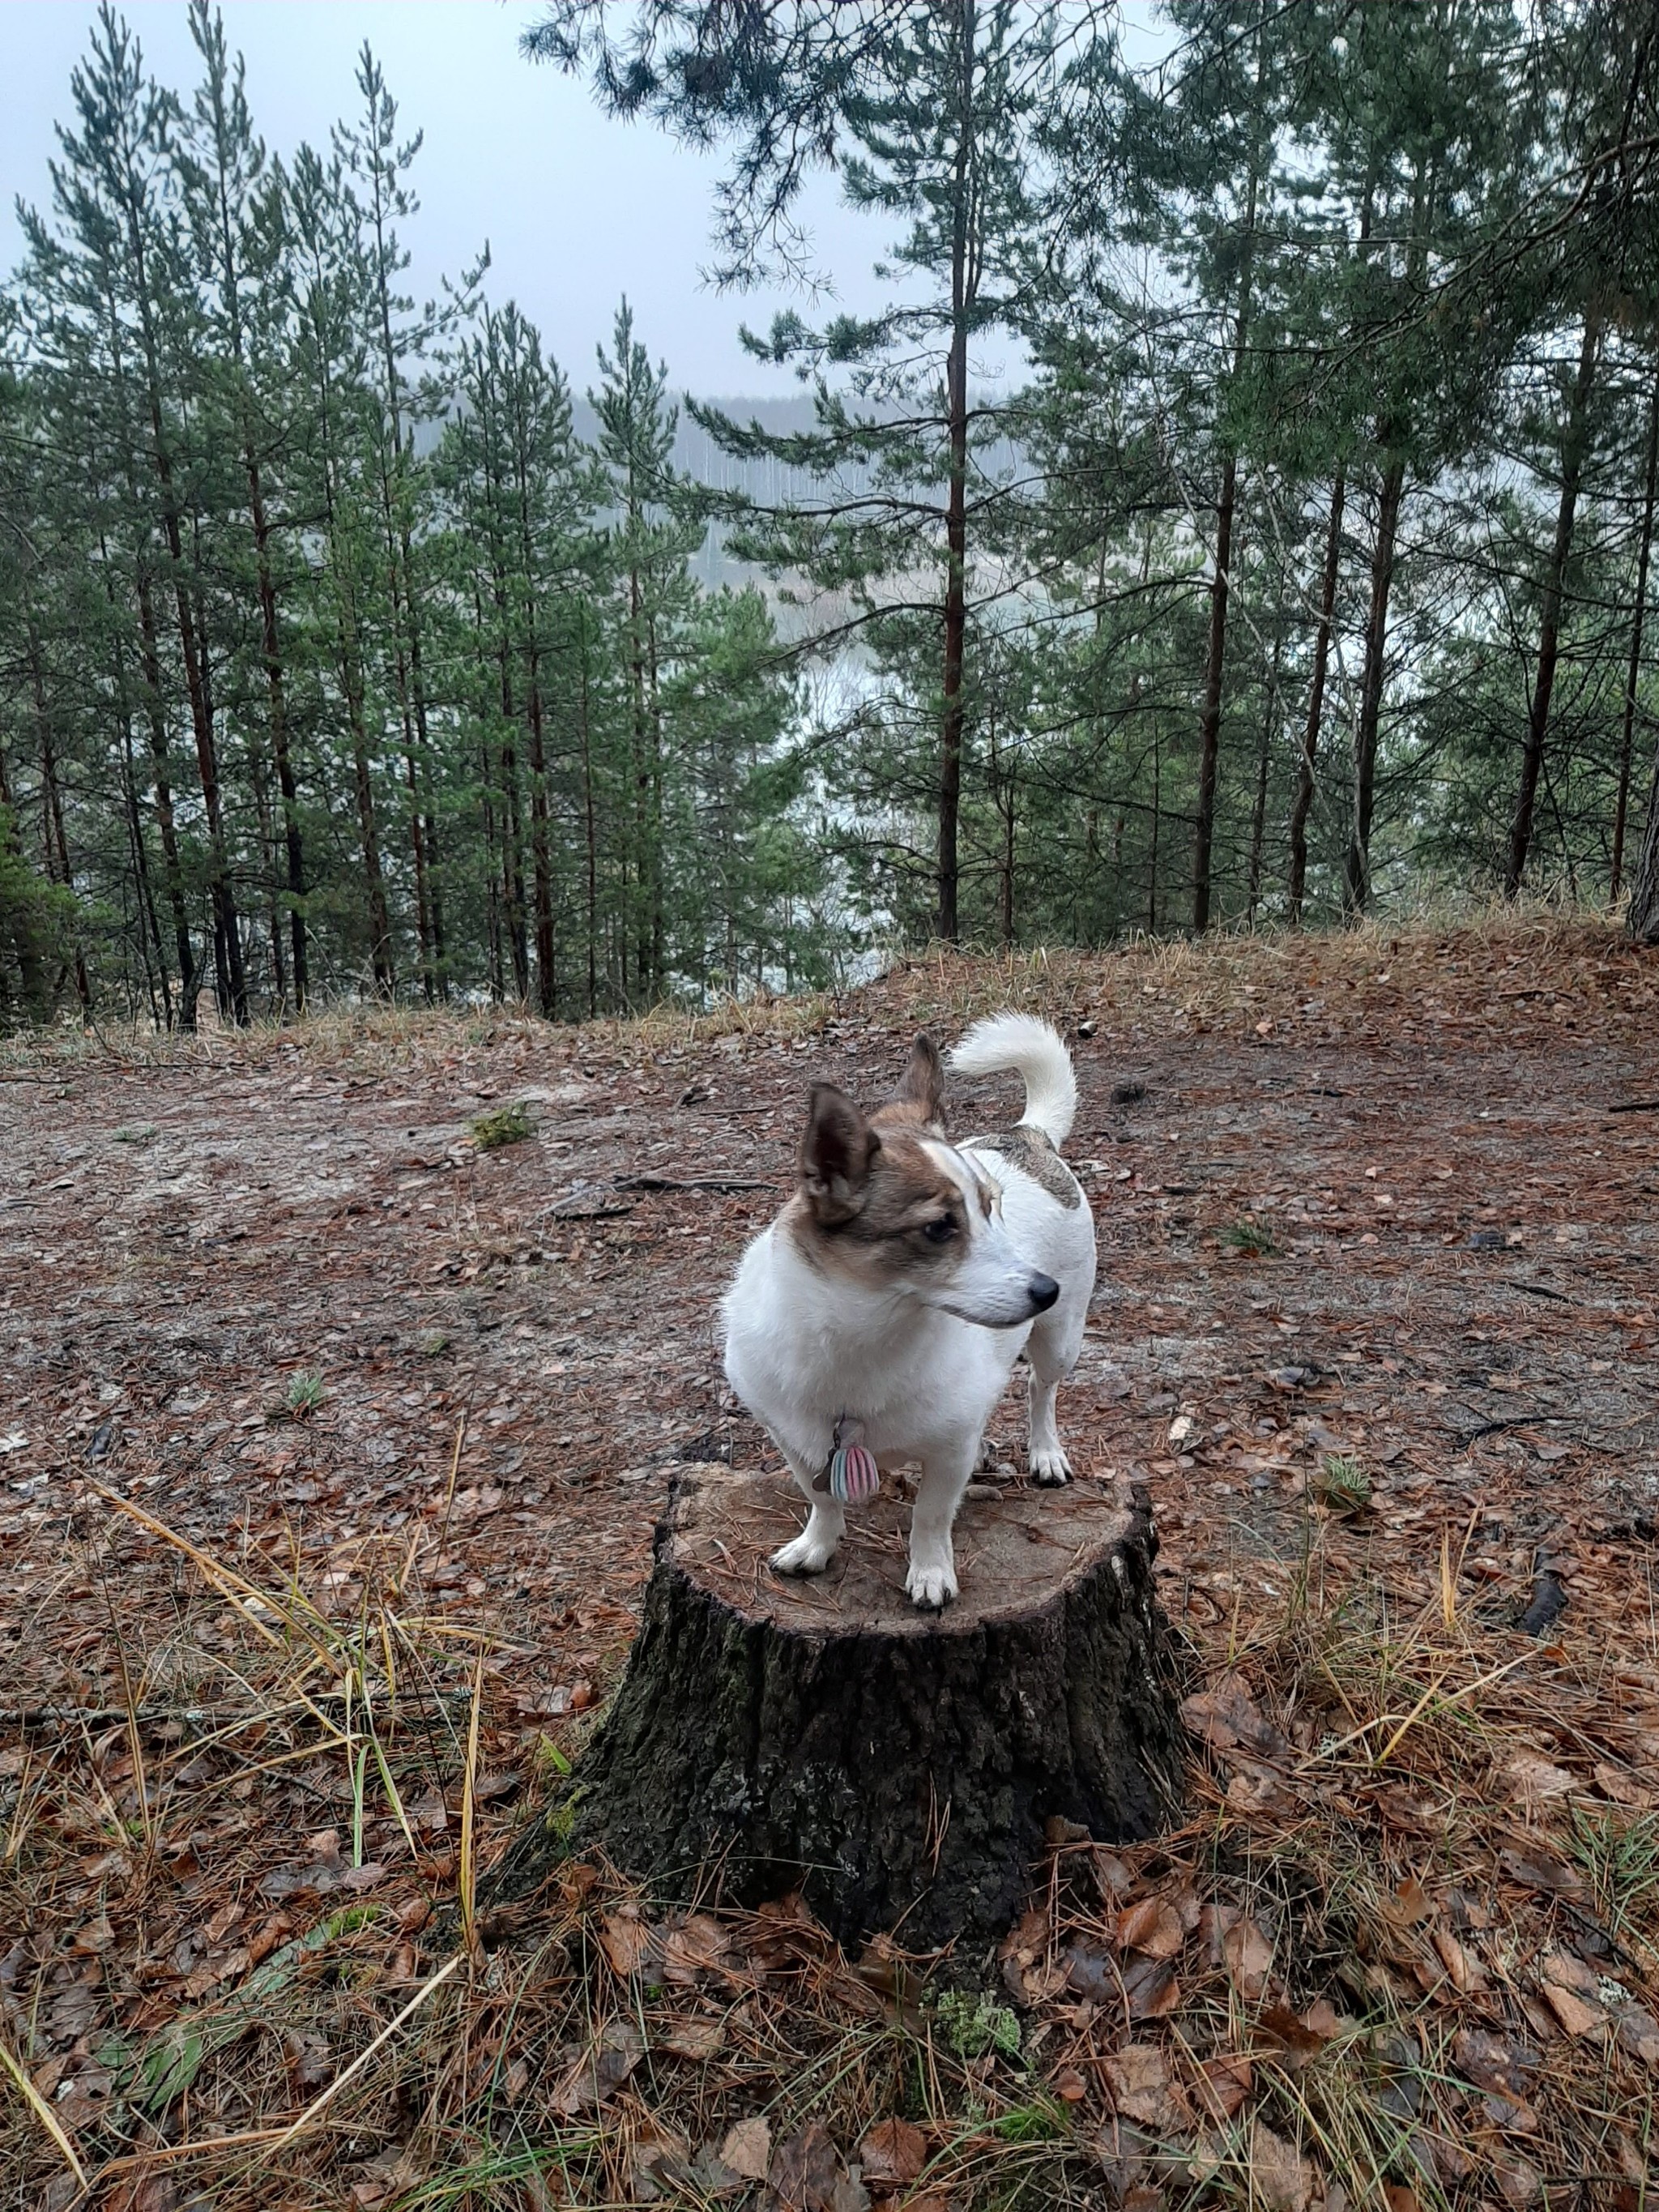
[{"x": 1021, "y": 1042}]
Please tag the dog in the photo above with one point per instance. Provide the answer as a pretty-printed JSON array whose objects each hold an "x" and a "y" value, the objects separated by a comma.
[{"x": 886, "y": 1305}]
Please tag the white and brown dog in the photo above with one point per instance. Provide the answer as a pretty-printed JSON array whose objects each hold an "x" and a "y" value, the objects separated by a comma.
[{"x": 889, "y": 1300}]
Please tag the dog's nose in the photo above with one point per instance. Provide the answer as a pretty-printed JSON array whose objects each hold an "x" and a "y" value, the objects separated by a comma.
[{"x": 1042, "y": 1290}]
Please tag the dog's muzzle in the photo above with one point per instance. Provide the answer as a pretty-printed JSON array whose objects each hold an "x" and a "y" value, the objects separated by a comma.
[{"x": 1042, "y": 1290}]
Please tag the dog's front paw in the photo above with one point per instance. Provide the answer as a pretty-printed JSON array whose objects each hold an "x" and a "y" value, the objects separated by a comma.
[
  {"x": 807, "y": 1555},
  {"x": 931, "y": 1587},
  {"x": 1049, "y": 1469}
]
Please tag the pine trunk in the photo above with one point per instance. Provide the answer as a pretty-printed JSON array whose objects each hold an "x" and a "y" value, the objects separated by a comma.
[
  {"x": 1356, "y": 865},
  {"x": 1301, "y": 806},
  {"x": 952, "y": 720},
  {"x": 1549, "y": 631},
  {"x": 1633, "y": 674},
  {"x": 1259, "y": 812}
]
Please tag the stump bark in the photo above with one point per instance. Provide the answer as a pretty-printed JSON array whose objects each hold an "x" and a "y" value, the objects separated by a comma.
[{"x": 900, "y": 1766}]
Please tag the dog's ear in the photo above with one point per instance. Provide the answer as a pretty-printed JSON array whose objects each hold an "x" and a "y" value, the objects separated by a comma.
[
  {"x": 835, "y": 1155},
  {"x": 922, "y": 1084}
]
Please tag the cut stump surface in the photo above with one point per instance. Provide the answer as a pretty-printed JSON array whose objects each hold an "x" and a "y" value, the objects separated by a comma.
[{"x": 900, "y": 1766}]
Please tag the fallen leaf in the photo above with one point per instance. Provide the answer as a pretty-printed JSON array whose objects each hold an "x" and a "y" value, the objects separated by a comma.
[
  {"x": 1612, "y": 1782},
  {"x": 1533, "y": 1870},
  {"x": 1639, "y": 2033},
  {"x": 1043, "y": 1981},
  {"x": 1300, "y": 2042},
  {"x": 1139, "y": 2080},
  {"x": 804, "y": 2170},
  {"x": 1520, "y": 2181},
  {"x": 694, "y": 2038},
  {"x": 893, "y": 2154},
  {"x": 1249, "y": 1955},
  {"x": 1283, "y": 2178},
  {"x": 1462, "y": 1971},
  {"x": 747, "y": 2149},
  {"x": 661, "y": 2158},
  {"x": 1228, "y": 1719},
  {"x": 625, "y": 1939},
  {"x": 697, "y": 1946},
  {"x": 1568, "y": 1987},
  {"x": 1503, "y": 2068},
  {"x": 1534, "y": 1779},
  {"x": 1152, "y": 1927},
  {"x": 600, "y": 2071},
  {"x": 1150, "y": 1988},
  {"x": 1027, "y": 1937},
  {"x": 1213, "y": 1922},
  {"x": 1512, "y": 2114},
  {"x": 1070, "y": 2085},
  {"x": 1222, "y": 2085},
  {"x": 1092, "y": 1972},
  {"x": 1577, "y": 2017},
  {"x": 1408, "y": 1905}
]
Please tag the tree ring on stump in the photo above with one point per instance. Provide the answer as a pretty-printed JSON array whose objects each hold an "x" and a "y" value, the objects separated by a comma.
[{"x": 899, "y": 1767}]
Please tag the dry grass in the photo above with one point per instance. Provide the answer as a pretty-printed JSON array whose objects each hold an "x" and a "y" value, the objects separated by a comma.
[
  {"x": 1202, "y": 980},
  {"x": 1285, "y": 2000}
]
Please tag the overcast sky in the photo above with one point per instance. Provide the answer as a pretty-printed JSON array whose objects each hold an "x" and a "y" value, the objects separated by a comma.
[{"x": 576, "y": 208}]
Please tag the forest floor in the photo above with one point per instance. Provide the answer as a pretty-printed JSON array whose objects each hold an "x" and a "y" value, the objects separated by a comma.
[{"x": 331, "y": 1443}]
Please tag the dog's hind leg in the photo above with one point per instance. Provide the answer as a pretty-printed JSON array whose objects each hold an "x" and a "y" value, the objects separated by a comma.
[
  {"x": 1052, "y": 1351},
  {"x": 811, "y": 1552}
]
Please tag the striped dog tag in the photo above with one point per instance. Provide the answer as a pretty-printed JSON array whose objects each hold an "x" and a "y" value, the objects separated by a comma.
[{"x": 854, "y": 1474}]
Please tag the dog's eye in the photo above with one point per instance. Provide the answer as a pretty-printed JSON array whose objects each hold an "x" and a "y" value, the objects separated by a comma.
[{"x": 940, "y": 1231}]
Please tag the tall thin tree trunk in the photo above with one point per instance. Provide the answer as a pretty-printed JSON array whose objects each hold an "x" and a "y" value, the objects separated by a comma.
[
  {"x": 1259, "y": 814},
  {"x": 405, "y": 627},
  {"x": 227, "y": 934},
  {"x": 963, "y": 285},
  {"x": 1301, "y": 806},
  {"x": 150, "y": 930},
  {"x": 192, "y": 651},
  {"x": 268, "y": 846},
  {"x": 512, "y": 824},
  {"x": 659, "y": 918},
  {"x": 434, "y": 857},
  {"x": 190, "y": 975},
  {"x": 641, "y": 769},
  {"x": 1633, "y": 674},
  {"x": 1209, "y": 724},
  {"x": 1215, "y": 653},
  {"x": 140, "y": 857},
  {"x": 541, "y": 855},
  {"x": 1157, "y": 802},
  {"x": 1002, "y": 791},
  {"x": 276, "y": 710},
  {"x": 590, "y": 823},
  {"x": 1549, "y": 633},
  {"x": 54, "y": 838},
  {"x": 31, "y": 958},
  {"x": 1357, "y": 864},
  {"x": 380, "y": 919}
]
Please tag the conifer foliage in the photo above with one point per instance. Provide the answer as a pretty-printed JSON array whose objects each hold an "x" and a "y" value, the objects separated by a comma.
[
  {"x": 1240, "y": 510},
  {"x": 331, "y": 661}
]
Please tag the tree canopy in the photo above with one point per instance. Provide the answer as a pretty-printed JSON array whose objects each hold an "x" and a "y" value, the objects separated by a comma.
[{"x": 1240, "y": 510}]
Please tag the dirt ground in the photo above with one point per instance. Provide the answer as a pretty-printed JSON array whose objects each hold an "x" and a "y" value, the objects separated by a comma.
[{"x": 1377, "y": 1293}]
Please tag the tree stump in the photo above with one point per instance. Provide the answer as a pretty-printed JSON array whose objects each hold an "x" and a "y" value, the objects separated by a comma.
[{"x": 901, "y": 1766}]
